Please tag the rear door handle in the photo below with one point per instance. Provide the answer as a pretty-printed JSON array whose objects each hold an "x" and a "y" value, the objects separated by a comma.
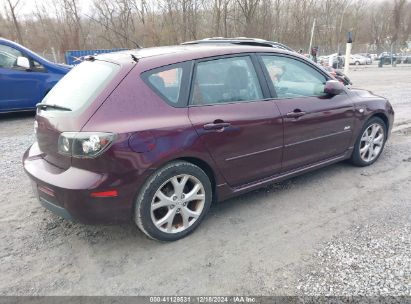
[
  {"x": 296, "y": 113},
  {"x": 216, "y": 125}
]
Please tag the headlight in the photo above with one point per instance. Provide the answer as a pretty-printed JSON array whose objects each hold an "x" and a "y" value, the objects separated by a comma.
[{"x": 84, "y": 144}]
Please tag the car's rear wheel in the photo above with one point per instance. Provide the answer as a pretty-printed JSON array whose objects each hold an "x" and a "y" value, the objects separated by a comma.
[
  {"x": 173, "y": 201},
  {"x": 370, "y": 142}
]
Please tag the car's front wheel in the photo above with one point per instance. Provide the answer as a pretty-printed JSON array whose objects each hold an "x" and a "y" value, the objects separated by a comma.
[
  {"x": 370, "y": 142},
  {"x": 173, "y": 201}
]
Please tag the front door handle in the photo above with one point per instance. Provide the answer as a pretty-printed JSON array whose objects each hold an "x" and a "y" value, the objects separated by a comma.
[
  {"x": 216, "y": 125},
  {"x": 296, "y": 114}
]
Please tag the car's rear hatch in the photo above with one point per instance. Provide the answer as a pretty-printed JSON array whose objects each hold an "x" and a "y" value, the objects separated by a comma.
[{"x": 71, "y": 103}]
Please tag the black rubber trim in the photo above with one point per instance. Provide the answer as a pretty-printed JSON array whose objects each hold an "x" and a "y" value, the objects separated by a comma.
[{"x": 60, "y": 211}]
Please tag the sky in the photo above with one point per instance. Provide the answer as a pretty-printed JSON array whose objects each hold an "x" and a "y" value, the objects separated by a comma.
[{"x": 26, "y": 7}]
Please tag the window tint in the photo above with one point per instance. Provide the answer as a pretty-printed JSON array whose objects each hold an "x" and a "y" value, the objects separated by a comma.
[
  {"x": 8, "y": 57},
  {"x": 168, "y": 83},
  {"x": 293, "y": 78},
  {"x": 226, "y": 80}
]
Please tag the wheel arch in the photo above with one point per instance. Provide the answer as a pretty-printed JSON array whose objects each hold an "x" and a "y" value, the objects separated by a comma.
[
  {"x": 377, "y": 113},
  {"x": 203, "y": 165},
  {"x": 383, "y": 117}
]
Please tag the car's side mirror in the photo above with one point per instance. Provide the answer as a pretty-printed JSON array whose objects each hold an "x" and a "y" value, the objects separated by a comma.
[
  {"x": 333, "y": 87},
  {"x": 23, "y": 62}
]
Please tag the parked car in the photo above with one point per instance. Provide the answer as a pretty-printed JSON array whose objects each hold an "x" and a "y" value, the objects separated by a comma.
[
  {"x": 388, "y": 58},
  {"x": 406, "y": 58},
  {"x": 357, "y": 60},
  {"x": 334, "y": 60},
  {"x": 158, "y": 134},
  {"x": 25, "y": 77},
  {"x": 367, "y": 57}
]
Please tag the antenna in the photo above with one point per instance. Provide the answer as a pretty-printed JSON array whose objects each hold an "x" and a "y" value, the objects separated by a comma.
[{"x": 114, "y": 31}]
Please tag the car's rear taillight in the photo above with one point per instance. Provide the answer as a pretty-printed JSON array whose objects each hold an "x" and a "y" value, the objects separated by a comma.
[{"x": 84, "y": 144}]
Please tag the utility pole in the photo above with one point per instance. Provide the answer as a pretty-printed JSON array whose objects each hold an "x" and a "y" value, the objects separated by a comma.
[
  {"x": 348, "y": 53},
  {"x": 312, "y": 36},
  {"x": 341, "y": 25},
  {"x": 53, "y": 51}
]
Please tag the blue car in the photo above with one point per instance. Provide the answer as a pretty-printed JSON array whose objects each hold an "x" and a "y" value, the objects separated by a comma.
[{"x": 25, "y": 77}]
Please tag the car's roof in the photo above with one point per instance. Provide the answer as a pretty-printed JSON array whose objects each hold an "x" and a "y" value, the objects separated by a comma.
[
  {"x": 179, "y": 53},
  {"x": 199, "y": 49}
]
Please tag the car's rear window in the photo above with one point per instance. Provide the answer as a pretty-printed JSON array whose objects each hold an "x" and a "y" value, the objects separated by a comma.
[{"x": 82, "y": 84}]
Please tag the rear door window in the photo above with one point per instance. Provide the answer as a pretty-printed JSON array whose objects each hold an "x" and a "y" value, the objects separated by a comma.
[{"x": 225, "y": 80}]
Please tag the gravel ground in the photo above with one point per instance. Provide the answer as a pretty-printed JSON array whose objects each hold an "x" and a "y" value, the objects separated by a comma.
[
  {"x": 369, "y": 259},
  {"x": 340, "y": 230}
]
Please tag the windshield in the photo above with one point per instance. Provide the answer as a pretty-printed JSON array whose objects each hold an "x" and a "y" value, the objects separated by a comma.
[{"x": 81, "y": 85}]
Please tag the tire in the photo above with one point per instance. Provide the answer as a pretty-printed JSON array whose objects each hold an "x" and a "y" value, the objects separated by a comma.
[
  {"x": 361, "y": 158},
  {"x": 357, "y": 63},
  {"x": 177, "y": 216}
]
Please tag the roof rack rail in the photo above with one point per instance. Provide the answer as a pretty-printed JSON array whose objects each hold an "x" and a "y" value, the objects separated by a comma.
[{"x": 241, "y": 41}]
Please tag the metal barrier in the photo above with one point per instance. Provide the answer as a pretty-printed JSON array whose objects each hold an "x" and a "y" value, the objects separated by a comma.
[{"x": 74, "y": 57}]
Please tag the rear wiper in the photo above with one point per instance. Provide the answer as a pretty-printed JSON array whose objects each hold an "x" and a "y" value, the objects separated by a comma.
[{"x": 44, "y": 106}]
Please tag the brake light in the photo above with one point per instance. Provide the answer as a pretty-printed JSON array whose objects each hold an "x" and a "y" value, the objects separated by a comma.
[{"x": 84, "y": 144}]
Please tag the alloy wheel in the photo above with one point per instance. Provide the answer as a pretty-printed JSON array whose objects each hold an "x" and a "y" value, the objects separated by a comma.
[
  {"x": 372, "y": 141},
  {"x": 178, "y": 203}
]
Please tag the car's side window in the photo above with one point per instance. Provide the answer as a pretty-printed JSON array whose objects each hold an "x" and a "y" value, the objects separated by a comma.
[
  {"x": 232, "y": 79},
  {"x": 167, "y": 82},
  {"x": 292, "y": 78},
  {"x": 8, "y": 57}
]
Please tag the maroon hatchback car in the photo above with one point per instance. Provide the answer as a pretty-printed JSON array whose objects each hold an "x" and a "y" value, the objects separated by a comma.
[{"x": 155, "y": 135}]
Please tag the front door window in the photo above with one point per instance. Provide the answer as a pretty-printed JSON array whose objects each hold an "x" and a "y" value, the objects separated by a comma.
[{"x": 292, "y": 78}]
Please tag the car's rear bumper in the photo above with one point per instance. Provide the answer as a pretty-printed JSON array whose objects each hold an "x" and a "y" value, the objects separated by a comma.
[
  {"x": 67, "y": 193},
  {"x": 58, "y": 210}
]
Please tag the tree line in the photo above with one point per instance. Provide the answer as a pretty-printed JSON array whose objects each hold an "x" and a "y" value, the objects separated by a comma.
[{"x": 63, "y": 25}]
